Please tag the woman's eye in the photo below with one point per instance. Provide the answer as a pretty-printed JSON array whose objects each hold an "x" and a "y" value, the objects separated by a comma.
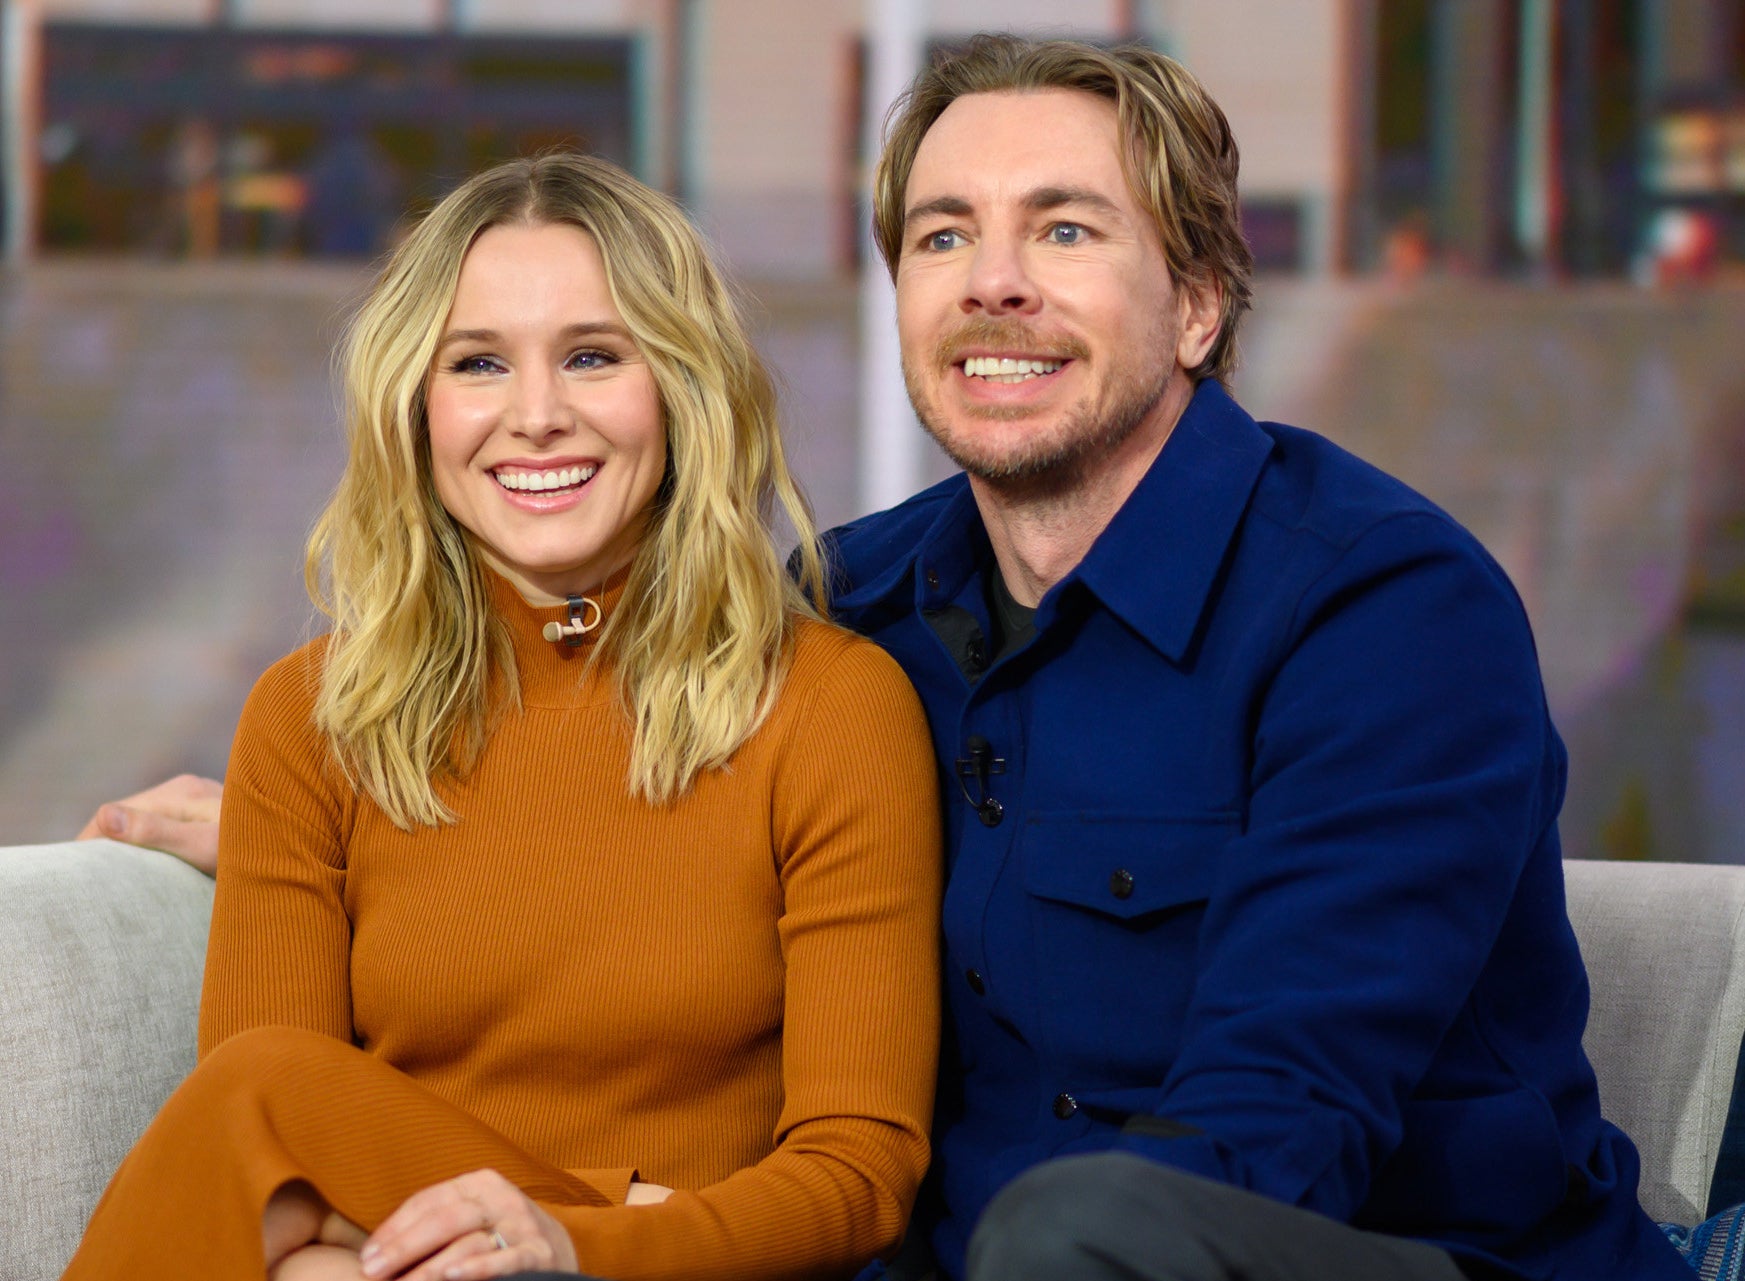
[
  {"x": 474, "y": 365},
  {"x": 590, "y": 360},
  {"x": 1067, "y": 233}
]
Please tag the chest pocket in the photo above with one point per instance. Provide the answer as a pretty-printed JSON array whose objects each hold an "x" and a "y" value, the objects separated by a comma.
[
  {"x": 1123, "y": 865},
  {"x": 1115, "y": 906}
]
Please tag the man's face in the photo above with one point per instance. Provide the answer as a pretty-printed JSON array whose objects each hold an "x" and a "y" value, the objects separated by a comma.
[{"x": 1040, "y": 330}]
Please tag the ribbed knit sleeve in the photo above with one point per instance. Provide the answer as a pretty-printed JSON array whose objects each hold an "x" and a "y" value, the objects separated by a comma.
[
  {"x": 279, "y": 950},
  {"x": 856, "y": 834}
]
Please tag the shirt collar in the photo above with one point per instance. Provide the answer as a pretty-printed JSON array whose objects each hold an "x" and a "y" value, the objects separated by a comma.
[
  {"x": 1155, "y": 564},
  {"x": 952, "y": 545}
]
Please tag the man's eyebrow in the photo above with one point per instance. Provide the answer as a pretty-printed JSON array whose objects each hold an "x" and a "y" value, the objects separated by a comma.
[
  {"x": 947, "y": 206},
  {"x": 1046, "y": 198},
  {"x": 581, "y": 329},
  {"x": 1039, "y": 200}
]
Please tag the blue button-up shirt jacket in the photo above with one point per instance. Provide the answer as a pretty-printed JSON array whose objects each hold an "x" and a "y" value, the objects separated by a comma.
[{"x": 1275, "y": 893}]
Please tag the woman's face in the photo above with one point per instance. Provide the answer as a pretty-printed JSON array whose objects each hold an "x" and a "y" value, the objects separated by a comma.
[{"x": 546, "y": 439}]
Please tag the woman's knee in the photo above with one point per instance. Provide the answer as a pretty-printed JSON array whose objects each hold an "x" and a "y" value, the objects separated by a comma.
[
  {"x": 246, "y": 1066},
  {"x": 255, "y": 1049}
]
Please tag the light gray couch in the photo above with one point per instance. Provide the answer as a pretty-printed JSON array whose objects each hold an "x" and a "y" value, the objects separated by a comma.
[{"x": 100, "y": 954}]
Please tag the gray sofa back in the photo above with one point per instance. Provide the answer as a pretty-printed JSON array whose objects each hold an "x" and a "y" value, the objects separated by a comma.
[
  {"x": 1664, "y": 945},
  {"x": 101, "y": 949}
]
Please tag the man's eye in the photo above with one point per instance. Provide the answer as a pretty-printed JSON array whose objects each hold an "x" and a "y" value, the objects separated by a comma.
[
  {"x": 940, "y": 241},
  {"x": 1067, "y": 233}
]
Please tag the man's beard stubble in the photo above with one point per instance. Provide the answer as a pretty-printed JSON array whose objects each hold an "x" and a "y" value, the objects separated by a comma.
[{"x": 1042, "y": 466}]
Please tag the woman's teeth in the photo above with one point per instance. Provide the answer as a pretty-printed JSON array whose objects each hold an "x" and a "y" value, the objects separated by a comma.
[
  {"x": 533, "y": 482},
  {"x": 1005, "y": 369}
]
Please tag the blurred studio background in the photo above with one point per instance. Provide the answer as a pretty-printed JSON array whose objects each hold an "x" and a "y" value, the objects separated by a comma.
[{"x": 1502, "y": 251}]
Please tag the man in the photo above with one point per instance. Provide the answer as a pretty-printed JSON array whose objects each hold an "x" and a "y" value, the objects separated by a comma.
[{"x": 1257, "y": 959}]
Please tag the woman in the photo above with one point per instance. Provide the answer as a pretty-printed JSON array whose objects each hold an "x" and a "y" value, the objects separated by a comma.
[{"x": 580, "y": 862}]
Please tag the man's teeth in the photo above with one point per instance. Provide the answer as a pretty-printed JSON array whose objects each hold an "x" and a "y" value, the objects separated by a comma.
[
  {"x": 533, "y": 482},
  {"x": 1004, "y": 369}
]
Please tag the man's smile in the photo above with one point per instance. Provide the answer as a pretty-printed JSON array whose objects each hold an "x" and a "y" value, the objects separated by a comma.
[{"x": 1008, "y": 369}]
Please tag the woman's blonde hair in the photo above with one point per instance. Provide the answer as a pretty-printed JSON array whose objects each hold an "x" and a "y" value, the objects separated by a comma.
[
  {"x": 1181, "y": 157},
  {"x": 418, "y": 666}
]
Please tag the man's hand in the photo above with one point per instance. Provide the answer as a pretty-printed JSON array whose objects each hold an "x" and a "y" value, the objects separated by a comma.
[
  {"x": 179, "y": 817},
  {"x": 479, "y": 1225}
]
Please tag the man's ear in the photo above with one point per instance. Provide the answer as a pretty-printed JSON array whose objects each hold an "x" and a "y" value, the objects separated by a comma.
[{"x": 1199, "y": 320}]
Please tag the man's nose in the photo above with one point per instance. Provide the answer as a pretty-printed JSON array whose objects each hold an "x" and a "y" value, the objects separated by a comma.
[{"x": 999, "y": 281}]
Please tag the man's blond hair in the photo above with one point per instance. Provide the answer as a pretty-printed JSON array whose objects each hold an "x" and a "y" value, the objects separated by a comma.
[{"x": 1181, "y": 158}]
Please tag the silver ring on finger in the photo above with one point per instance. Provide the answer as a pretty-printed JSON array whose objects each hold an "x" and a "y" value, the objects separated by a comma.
[{"x": 498, "y": 1240}]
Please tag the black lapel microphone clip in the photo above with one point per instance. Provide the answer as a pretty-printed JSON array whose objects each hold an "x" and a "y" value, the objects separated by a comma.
[{"x": 980, "y": 764}]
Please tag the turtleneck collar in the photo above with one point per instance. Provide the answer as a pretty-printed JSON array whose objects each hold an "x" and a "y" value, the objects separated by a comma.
[{"x": 551, "y": 672}]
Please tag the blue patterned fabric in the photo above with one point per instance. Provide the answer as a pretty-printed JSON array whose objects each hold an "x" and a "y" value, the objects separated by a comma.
[{"x": 1715, "y": 1248}]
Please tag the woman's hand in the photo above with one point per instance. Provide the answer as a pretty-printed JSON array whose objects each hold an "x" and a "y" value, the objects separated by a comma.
[
  {"x": 641, "y": 1193},
  {"x": 479, "y": 1225}
]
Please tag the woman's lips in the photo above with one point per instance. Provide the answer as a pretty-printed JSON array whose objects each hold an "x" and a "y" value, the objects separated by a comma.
[{"x": 548, "y": 480}]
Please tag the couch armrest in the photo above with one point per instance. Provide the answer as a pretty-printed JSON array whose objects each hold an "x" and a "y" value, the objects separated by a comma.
[
  {"x": 101, "y": 950},
  {"x": 1664, "y": 945}
]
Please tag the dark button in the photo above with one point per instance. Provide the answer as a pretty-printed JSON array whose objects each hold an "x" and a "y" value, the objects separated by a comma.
[
  {"x": 1121, "y": 883},
  {"x": 933, "y": 579},
  {"x": 974, "y": 979},
  {"x": 991, "y": 812},
  {"x": 977, "y": 656},
  {"x": 1065, "y": 1105}
]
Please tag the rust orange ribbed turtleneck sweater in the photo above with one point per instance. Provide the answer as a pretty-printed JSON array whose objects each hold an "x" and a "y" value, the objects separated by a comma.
[{"x": 734, "y": 994}]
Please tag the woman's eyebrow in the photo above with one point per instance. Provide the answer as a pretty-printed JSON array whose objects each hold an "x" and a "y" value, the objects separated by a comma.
[
  {"x": 587, "y": 328},
  {"x": 468, "y": 335},
  {"x": 580, "y": 329}
]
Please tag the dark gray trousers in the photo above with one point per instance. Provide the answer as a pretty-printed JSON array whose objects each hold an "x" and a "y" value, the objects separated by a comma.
[{"x": 1118, "y": 1217}]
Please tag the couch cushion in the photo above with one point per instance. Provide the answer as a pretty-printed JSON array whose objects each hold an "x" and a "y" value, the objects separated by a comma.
[
  {"x": 1664, "y": 945},
  {"x": 101, "y": 948}
]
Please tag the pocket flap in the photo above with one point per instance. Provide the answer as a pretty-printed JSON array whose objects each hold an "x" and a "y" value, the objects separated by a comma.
[{"x": 1123, "y": 865}]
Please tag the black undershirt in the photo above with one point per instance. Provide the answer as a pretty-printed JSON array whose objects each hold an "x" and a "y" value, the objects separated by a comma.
[
  {"x": 1010, "y": 627},
  {"x": 1013, "y": 624}
]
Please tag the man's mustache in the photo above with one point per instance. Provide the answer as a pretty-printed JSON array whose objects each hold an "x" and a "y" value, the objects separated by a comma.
[{"x": 1015, "y": 336}]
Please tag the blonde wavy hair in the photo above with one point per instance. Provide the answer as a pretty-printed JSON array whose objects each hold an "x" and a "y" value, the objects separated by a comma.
[
  {"x": 1181, "y": 159},
  {"x": 419, "y": 667}
]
